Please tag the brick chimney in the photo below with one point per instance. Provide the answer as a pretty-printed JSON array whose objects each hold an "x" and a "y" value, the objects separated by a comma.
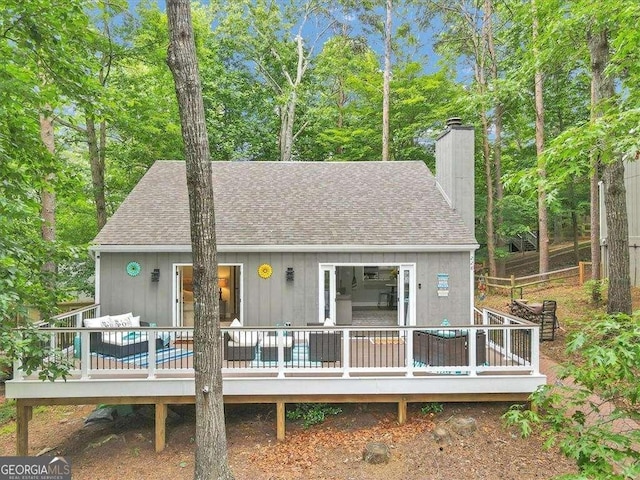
[{"x": 455, "y": 169}]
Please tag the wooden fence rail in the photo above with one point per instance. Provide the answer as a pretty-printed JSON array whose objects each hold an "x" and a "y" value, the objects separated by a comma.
[{"x": 513, "y": 283}]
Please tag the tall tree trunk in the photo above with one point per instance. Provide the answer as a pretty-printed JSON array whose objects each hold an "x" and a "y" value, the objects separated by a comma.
[
  {"x": 48, "y": 217},
  {"x": 288, "y": 112},
  {"x": 594, "y": 219},
  {"x": 211, "y": 443},
  {"x": 386, "y": 84},
  {"x": 486, "y": 149},
  {"x": 543, "y": 232},
  {"x": 594, "y": 194},
  {"x": 493, "y": 169},
  {"x": 619, "y": 292},
  {"x": 96, "y": 160},
  {"x": 340, "y": 103},
  {"x": 288, "y": 119}
]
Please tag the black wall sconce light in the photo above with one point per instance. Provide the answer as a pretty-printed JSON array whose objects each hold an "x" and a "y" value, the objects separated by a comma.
[
  {"x": 155, "y": 275},
  {"x": 289, "y": 274}
]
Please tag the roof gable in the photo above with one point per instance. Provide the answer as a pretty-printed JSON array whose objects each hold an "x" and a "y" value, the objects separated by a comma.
[{"x": 293, "y": 203}]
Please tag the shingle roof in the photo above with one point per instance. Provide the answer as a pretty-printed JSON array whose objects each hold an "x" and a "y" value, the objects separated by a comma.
[{"x": 293, "y": 203}]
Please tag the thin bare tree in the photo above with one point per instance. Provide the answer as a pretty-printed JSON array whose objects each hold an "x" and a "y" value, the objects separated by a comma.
[{"x": 211, "y": 443}]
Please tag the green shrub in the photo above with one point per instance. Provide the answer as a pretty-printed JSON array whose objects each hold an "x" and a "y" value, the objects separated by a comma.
[
  {"x": 432, "y": 408},
  {"x": 7, "y": 411},
  {"x": 585, "y": 414},
  {"x": 312, "y": 413},
  {"x": 595, "y": 289}
]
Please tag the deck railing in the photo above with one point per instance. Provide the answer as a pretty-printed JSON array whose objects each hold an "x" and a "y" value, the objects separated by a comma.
[
  {"x": 72, "y": 319},
  {"x": 494, "y": 343}
]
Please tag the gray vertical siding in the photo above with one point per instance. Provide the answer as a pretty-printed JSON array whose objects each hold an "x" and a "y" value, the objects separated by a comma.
[
  {"x": 270, "y": 301},
  {"x": 632, "y": 183}
]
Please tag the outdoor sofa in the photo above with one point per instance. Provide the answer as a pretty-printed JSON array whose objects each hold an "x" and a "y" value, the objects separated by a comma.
[{"x": 120, "y": 344}]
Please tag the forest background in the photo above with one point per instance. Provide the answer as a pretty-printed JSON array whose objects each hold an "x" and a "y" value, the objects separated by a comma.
[{"x": 87, "y": 104}]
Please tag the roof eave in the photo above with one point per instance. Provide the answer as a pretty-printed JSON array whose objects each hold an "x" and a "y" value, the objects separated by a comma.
[{"x": 287, "y": 248}]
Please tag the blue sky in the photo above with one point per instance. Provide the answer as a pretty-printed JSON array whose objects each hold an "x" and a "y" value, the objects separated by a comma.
[{"x": 425, "y": 51}]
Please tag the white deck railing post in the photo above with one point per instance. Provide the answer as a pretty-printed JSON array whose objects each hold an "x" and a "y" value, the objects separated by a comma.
[
  {"x": 53, "y": 337},
  {"x": 151, "y": 365},
  {"x": 346, "y": 352},
  {"x": 535, "y": 350},
  {"x": 472, "y": 346},
  {"x": 85, "y": 354},
  {"x": 280, "y": 340},
  {"x": 409, "y": 351},
  {"x": 507, "y": 339}
]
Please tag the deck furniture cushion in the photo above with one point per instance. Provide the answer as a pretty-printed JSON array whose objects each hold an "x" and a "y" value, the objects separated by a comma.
[
  {"x": 244, "y": 339},
  {"x": 95, "y": 322},
  {"x": 244, "y": 349},
  {"x": 235, "y": 334},
  {"x": 269, "y": 347},
  {"x": 124, "y": 338},
  {"x": 119, "y": 343},
  {"x": 113, "y": 321},
  {"x": 124, "y": 320},
  {"x": 272, "y": 341}
]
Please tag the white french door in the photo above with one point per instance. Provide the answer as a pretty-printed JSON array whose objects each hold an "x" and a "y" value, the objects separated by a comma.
[
  {"x": 363, "y": 295},
  {"x": 406, "y": 295},
  {"x": 179, "y": 299},
  {"x": 327, "y": 300},
  {"x": 230, "y": 293}
]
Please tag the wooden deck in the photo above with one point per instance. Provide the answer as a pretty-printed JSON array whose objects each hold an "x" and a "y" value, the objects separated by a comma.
[{"x": 495, "y": 358}]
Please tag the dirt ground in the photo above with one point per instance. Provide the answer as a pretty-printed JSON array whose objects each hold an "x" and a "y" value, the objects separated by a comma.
[{"x": 333, "y": 450}]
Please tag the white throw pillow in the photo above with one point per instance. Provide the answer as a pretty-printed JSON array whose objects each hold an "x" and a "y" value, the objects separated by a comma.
[
  {"x": 95, "y": 322},
  {"x": 122, "y": 316},
  {"x": 235, "y": 335},
  {"x": 123, "y": 320},
  {"x": 135, "y": 321}
]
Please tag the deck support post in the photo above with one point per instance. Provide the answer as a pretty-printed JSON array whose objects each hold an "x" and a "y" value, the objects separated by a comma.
[
  {"x": 402, "y": 411},
  {"x": 161, "y": 426},
  {"x": 24, "y": 413},
  {"x": 280, "y": 420}
]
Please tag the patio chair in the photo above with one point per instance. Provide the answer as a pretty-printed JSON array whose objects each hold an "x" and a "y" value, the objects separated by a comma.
[
  {"x": 269, "y": 346},
  {"x": 325, "y": 346},
  {"x": 119, "y": 344},
  {"x": 240, "y": 345}
]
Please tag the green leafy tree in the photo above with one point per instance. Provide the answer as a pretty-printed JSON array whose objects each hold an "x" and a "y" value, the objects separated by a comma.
[
  {"x": 591, "y": 414},
  {"x": 270, "y": 36},
  {"x": 44, "y": 62},
  {"x": 608, "y": 139}
]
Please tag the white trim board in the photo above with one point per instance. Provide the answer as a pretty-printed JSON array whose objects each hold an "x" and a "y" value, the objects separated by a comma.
[{"x": 288, "y": 248}]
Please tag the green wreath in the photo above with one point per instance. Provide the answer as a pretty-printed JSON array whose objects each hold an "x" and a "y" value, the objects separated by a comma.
[{"x": 133, "y": 269}]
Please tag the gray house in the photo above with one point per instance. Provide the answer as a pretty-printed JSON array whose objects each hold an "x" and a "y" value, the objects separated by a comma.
[
  {"x": 300, "y": 242},
  {"x": 385, "y": 249}
]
